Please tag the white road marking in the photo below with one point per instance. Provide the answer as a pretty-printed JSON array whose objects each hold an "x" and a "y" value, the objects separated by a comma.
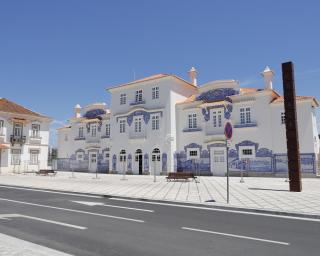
[
  {"x": 72, "y": 210},
  {"x": 237, "y": 236},
  {"x": 110, "y": 205},
  {"x": 52, "y": 192},
  {"x": 217, "y": 209},
  {"x": 14, "y": 215}
]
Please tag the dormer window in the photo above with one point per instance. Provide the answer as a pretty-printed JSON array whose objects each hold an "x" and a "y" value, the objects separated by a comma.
[
  {"x": 35, "y": 130},
  {"x": 123, "y": 99},
  {"x": 139, "y": 96}
]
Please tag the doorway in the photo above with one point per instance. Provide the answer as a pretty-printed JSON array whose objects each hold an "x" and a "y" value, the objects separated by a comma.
[
  {"x": 218, "y": 161},
  {"x": 93, "y": 162},
  {"x": 138, "y": 159}
]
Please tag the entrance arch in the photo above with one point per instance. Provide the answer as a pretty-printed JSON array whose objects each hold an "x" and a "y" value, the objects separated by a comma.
[{"x": 138, "y": 158}]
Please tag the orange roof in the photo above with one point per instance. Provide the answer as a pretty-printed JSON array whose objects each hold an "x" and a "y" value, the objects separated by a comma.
[
  {"x": 281, "y": 99},
  {"x": 3, "y": 146},
  {"x": 248, "y": 90},
  {"x": 150, "y": 78},
  {"x": 11, "y": 107},
  {"x": 192, "y": 98}
]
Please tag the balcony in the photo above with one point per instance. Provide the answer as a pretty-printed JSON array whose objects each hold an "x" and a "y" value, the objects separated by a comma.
[
  {"x": 137, "y": 103},
  {"x": 245, "y": 125},
  {"x": 79, "y": 138},
  {"x": 35, "y": 140},
  {"x": 17, "y": 140},
  {"x": 198, "y": 129},
  {"x": 91, "y": 139},
  {"x": 137, "y": 135}
]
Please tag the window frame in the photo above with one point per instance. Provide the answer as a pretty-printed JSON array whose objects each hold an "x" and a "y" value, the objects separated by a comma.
[
  {"x": 123, "y": 99},
  {"x": 155, "y": 93},
  {"x": 139, "y": 96},
  {"x": 122, "y": 126},
  {"x": 155, "y": 122}
]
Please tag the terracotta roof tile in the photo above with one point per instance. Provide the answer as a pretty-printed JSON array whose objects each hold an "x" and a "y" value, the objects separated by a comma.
[
  {"x": 248, "y": 90},
  {"x": 281, "y": 99},
  {"x": 11, "y": 107}
]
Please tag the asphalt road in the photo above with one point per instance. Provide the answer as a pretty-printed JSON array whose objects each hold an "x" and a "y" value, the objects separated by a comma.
[{"x": 85, "y": 225}]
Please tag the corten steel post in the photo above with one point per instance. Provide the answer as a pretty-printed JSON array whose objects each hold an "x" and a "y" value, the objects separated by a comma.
[{"x": 291, "y": 127}]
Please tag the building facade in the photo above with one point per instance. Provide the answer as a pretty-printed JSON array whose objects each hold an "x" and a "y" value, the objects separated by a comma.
[
  {"x": 24, "y": 138},
  {"x": 163, "y": 123}
]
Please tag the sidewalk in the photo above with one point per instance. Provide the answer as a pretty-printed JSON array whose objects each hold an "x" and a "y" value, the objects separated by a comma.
[
  {"x": 11, "y": 246},
  {"x": 255, "y": 193}
]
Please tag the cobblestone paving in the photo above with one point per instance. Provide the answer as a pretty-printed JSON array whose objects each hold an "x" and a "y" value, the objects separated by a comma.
[{"x": 257, "y": 193}]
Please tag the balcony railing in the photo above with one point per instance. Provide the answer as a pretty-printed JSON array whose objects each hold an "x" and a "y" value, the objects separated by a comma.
[
  {"x": 17, "y": 140},
  {"x": 137, "y": 102}
]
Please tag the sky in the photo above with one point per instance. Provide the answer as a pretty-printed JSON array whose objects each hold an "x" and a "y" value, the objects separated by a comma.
[{"x": 55, "y": 54}]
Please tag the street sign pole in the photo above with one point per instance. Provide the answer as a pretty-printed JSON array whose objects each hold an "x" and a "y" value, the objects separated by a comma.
[
  {"x": 228, "y": 130},
  {"x": 227, "y": 146}
]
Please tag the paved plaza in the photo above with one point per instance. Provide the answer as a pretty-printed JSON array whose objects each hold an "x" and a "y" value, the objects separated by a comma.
[
  {"x": 254, "y": 193},
  {"x": 11, "y": 246}
]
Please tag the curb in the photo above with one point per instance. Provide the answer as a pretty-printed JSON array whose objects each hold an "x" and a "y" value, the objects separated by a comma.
[{"x": 222, "y": 207}]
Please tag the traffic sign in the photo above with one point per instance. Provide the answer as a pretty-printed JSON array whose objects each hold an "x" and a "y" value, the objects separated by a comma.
[{"x": 228, "y": 130}]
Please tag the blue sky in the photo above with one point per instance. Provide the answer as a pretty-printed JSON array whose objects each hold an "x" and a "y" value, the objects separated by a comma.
[{"x": 55, "y": 54}]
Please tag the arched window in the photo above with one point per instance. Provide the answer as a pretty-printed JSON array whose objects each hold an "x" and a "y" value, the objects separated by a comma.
[
  {"x": 156, "y": 155},
  {"x": 122, "y": 155}
]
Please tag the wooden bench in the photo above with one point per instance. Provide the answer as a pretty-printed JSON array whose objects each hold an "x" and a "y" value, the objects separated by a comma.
[
  {"x": 180, "y": 176},
  {"x": 46, "y": 172}
]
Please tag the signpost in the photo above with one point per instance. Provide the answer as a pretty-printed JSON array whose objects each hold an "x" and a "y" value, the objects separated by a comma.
[{"x": 228, "y": 134}]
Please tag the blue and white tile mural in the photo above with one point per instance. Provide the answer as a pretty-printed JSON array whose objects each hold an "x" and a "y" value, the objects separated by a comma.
[{"x": 265, "y": 160}]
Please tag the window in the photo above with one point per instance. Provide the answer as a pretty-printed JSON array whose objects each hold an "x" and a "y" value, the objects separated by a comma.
[
  {"x": 245, "y": 115},
  {"x": 81, "y": 132},
  {"x": 108, "y": 130},
  {"x": 218, "y": 156},
  {"x": 35, "y": 130},
  {"x": 15, "y": 156},
  {"x": 93, "y": 130},
  {"x": 192, "y": 120},
  {"x": 193, "y": 153},
  {"x": 217, "y": 118},
  {"x": 123, "y": 99},
  {"x": 155, "y": 122},
  {"x": 17, "y": 130},
  {"x": 283, "y": 118},
  {"x": 106, "y": 156},
  {"x": 122, "y": 126},
  {"x": 155, "y": 93},
  {"x": 137, "y": 124},
  {"x": 139, "y": 96},
  {"x": 34, "y": 157},
  {"x": 80, "y": 156},
  {"x": 247, "y": 152},
  {"x": 1, "y": 126}
]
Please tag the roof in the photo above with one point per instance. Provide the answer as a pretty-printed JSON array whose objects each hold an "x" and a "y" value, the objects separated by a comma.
[
  {"x": 11, "y": 107},
  {"x": 248, "y": 90},
  {"x": 150, "y": 78},
  {"x": 300, "y": 98},
  {"x": 64, "y": 127}
]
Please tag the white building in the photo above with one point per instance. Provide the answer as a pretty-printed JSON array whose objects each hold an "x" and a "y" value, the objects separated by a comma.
[
  {"x": 24, "y": 138},
  {"x": 182, "y": 125}
]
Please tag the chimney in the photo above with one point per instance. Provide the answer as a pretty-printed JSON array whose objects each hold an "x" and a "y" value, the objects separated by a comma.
[
  {"x": 77, "y": 111},
  {"x": 193, "y": 76},
  {"x": 267, "y": 74}
]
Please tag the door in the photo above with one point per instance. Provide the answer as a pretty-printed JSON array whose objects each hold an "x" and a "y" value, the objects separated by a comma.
[
  {"x": 218, "y": 161},
  {"x": 93, "y": 162},
  {"x": 140, "y": 164}
]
